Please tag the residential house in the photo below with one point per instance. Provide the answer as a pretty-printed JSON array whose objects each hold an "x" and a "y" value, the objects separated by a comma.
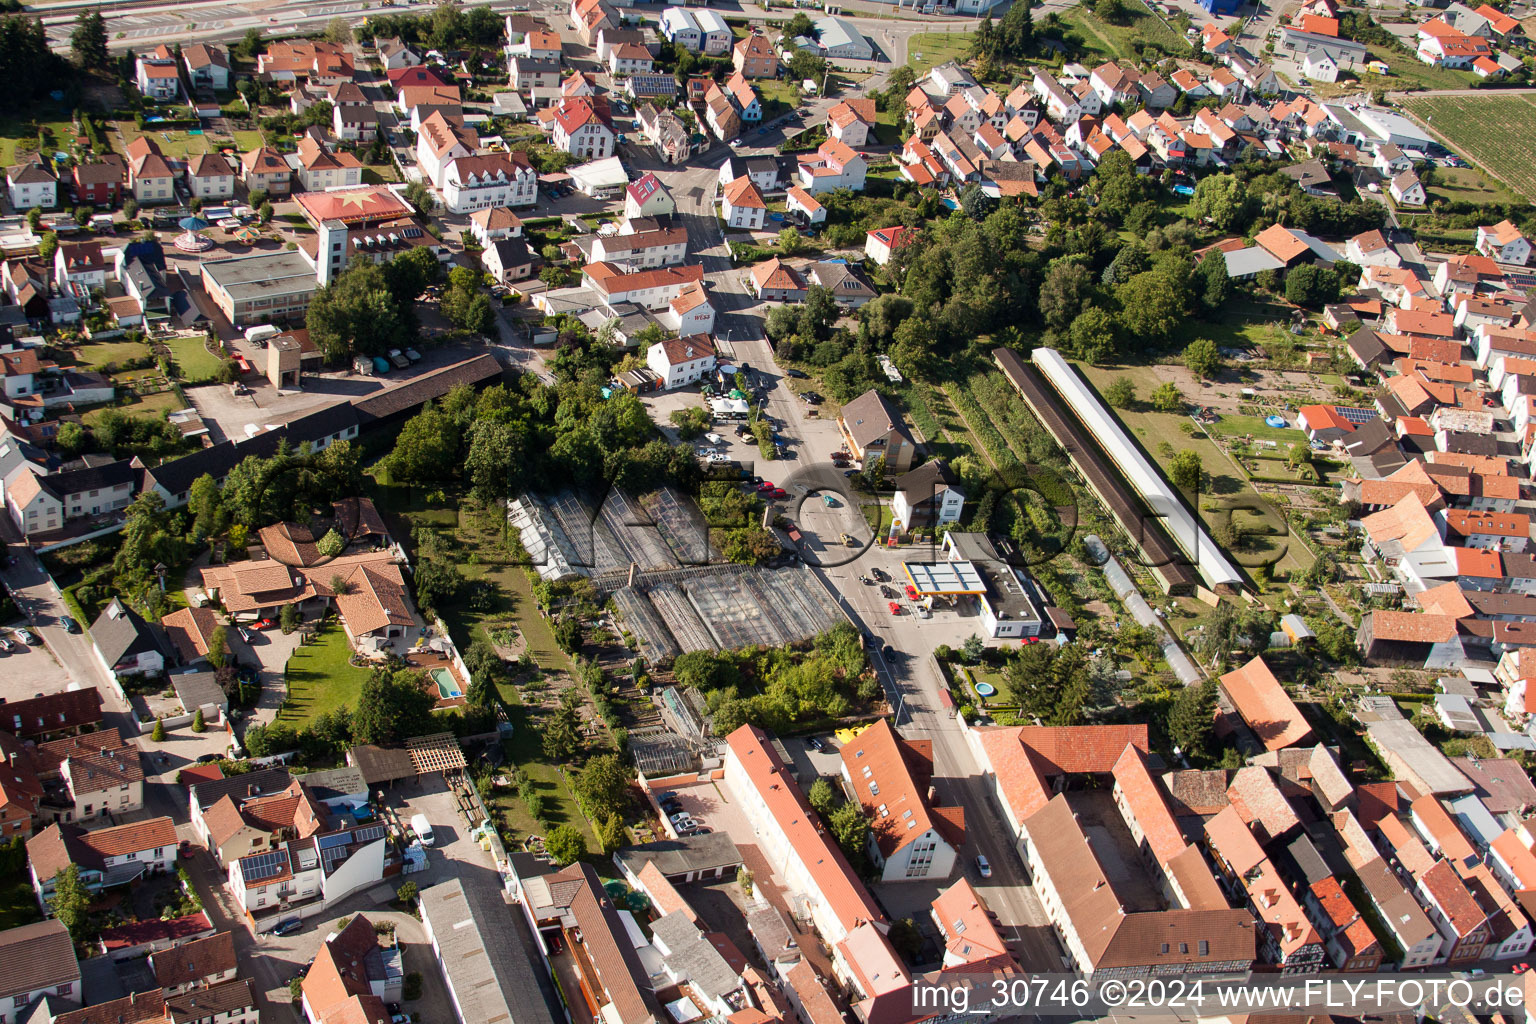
[
  {"x": 127, "y": 645},
  {"x": 681, "y": 361},
  {"x": 321, "y": 168},
  {"x": 753, "y": 57},
  {"x": 394, "y": 54},
  {"x": 639, "y": 250},
  {"x": 802, "y": 205},
  {"x": 31, "y": 184},
  {"x": 881, "y": 243},
  {"x": 927, "y": 497},
  {"x": 354, "y": 122},
  {"x": 535, "y": 76},
  {"x": 487, "y": 181},
  {"x": 1504, "y": 242},
  {"x": 264, "y": 169},
  {"x": 150, "y": 177},
  {"x": 742, "y": 205},
  {"x": 872, "y": 426},
  {"x": 55, "y": 714},
  {"x": 99, "y": 182},
  {"x": 353, "y": 977},
  {"x": 157, "y": 75},
  {"x": 510, "y": 260},
  {"x": 441, "y": 141},
  {"x": 195, "y": 965},
  {"x": 776, "y": 281},
  {"x": 844, "y": 281},
  {"x": 851, "y": 120},
  {"x": 107, "y": 857},
  {"x": 1407, "y": 190},
  {"x": 665, "y": 131},
  {"x": 1371, "y": 249},
  {"x": 582, "y": 130},
  {"x": 79, "y": 266},
  {"x": 889, "y": 777},
  {"x": 209, "y": 177},
  {"x": 40, "y": 963},
  {"x": 647, "y": 197},
  {"x": 833, "y": 166},
  {"x": 207, "y": 66}
]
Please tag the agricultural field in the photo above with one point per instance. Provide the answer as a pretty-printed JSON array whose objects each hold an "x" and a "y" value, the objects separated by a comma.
[
  {"x": 1497, "y": 133},
  {"x": 1405, "y": 71}
]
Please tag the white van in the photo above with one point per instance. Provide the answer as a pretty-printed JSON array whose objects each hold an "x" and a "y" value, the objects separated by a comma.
[
  {"x": 423, "y": 829},
  {"x": 262, "y": 333}
]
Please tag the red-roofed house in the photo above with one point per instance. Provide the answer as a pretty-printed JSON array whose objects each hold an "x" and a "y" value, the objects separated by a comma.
[
  {"x": 1351, "y": 944},
  {"x": 889, "y": 777},
  {"x": 834, "y": 165},
  {"x": 1453, "y": 909},
  {"x": 582, "y": 130},
  {"x": 881, "y": 243},
  {"x": 1264, "y": 706},
  {"x": 966, "y": 925}
]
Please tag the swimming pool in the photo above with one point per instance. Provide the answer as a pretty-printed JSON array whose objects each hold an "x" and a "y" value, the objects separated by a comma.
[
  {"x": 985, "y": 690},
  {"x": 950, "y": 203},
  {"x": 447, "y": 686}
]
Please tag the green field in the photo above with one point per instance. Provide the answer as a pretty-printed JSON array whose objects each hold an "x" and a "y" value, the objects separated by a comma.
[
  {"x": 176, "y": 144},
  {"x": 20, "y": 135},
  {"x": 1498, "y": 133},
  {"x": 99, "y": 353},
  {"x": 248, "y": 139},
  {"x": 321, "y": 679},
  {"x": 193, "y": 359},
  {"x": 1408, "y": 72},
  {"x": 1113, "y": 42},
  {"x": 148, "y": 405},
  {"x": 927, "y": 50}
]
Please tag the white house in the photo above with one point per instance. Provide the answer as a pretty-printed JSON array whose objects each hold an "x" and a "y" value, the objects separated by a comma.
[
  {"x": 804, "y": 205},
  {"x": 833, "y": 166},
  {"x": 646, "y": 196},
  {"x": 927, "y": 497},
  {"x": 679, "y": 28},
  {"x": 742, "y": 205},
  {"x": 881, "y": 243},
  {"x": 487, "y": 181},
  {"x": 1371, "y": 249},
  {"x": 1318, "y": 66},
  {"x": 1407, "y": 190},
  {"x": 440, "y": 142},
  {"x": 210, "y": 177},
  {"x": 1504, "y": 242},
  {"x": 107, "y": 857},
  {"x": 207, "y": 66},
  {"x": 581, "y": 131},
  {"x": 680, "y": 361},
  {"x": 31, "y": 184},
  {"x": 157, "y": 74},
  {"x": 910, "y": 840}
]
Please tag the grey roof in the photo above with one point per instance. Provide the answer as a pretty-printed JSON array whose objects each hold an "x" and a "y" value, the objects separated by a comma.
[
  {"x": 929, "y": 479},
  {"x": 1250, "y": 261},
  {"x": 1368, "y": 347},
  {"x": 268, "y": 273},
  {"x": 119, "y": 631},
  {"x": 238, "y": 787},
  {"x": 36, "y": 956},
  {"x": 692, "y": 957},
  {"x": 1397, "y": 909},
  {"x": 198, "y": 690},
  {"x": 91, "y": 478},
  {"x": 1402, "y": 742},
  {"x": 675, "y": 858},
  {"x": 335, "y": 783},
  {"x": 841, "y": 280},
  {"x": 1369, "y": 438},
  {"x": 1308, "y": 174},
  {"x": 870, "y": 417},
  {"x": 1309, "y": 863},
  {"x": 487, "y": 988},
  {"x": 381, "y": 764},
  {"x": 1500, "y": 782},
  {"x": 835, "y": 32}
]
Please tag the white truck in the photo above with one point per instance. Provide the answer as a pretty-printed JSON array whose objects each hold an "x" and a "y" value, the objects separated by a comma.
[
  {"x": 257, "y": 335},
  {"x": 423, "y": 829}
]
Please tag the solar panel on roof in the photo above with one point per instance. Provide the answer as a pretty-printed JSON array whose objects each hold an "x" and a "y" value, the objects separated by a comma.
[
  {"x": 368, "y": 833},
  {"x": 264, "y": 865},
  {"x": 332, "y": 841}
]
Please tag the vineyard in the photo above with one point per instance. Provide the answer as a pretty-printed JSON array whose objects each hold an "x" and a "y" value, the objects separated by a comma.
[{"x": 1497, "y": 133}]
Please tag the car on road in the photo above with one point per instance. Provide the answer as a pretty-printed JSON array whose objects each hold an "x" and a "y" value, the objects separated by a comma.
[
  {"x": 880, "y": 574},
  {"x": 265, "y": 623},
  {"x": 983, "y": 867},
  {"x": 288, "y": 925},
  {"x": 1519, "y": 968},
  {"x": 184, "y": 849},
  {"x": 911, "y": 592},
  {"x": 69, "y": 624},
  {"x": 894, "y": 606},
  {"x": 798, "y": 374}
]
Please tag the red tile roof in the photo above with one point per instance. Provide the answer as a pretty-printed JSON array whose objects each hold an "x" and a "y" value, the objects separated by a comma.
[{"x": 1265, "y": 706}]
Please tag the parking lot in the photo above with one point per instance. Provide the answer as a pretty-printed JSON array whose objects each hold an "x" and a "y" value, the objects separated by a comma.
[{"x": 28, "y": 671}]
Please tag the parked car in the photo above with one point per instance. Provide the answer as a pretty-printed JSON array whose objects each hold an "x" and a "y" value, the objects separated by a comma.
[
  {"x": 780, "y": 493},
  {"x": 766, "y": 485},
  {"x": 683, "y": 816},
  {"x": 288, "y": 925},
  {"x": 245, "y": 634},
  {"x": 209, "y": 758},
  {"x": 265, "y": 623},
  {"x": 881, "y": 575},
  {"x": 26, "y": 637},
  {"x": 69, "y": 624},
  {"x": 798, "y": 374},
  {"x": 184, "y": 850},
  {"x": 811, "y": 398},
  {"x": 894, "y": 606},
  {"x": 816, "y": 744},
  {"x": 983, "y": 867}
]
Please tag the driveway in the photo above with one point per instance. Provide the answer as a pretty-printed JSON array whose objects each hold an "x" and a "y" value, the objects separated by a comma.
[{"x": 269, "y": 649}]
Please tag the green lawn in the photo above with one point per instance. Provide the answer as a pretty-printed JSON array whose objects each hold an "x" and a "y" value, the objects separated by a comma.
[
  {"x": 321, "y": 679},
  {"x": 1408, "y": 72},
  {"x": 193, "y": 359},
  {"x": 927, "y": 50},
  {"x": 20, "y": 135},
  {"x": 99, "y": 353},
  {"x": 1113, "y": 42},
  {"x": 249, "y": 139},
  {"x": 1254, "y": 426},
  {"x": 178, "y": 144},
  {"x": 147, "y": 405},
  {"x": 1469, "y": 185}
]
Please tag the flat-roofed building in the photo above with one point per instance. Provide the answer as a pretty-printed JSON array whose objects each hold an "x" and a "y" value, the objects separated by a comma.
[{"x": 259, "y": 288}]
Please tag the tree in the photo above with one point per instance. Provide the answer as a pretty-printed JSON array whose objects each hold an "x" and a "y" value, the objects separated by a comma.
[
  {"x": 330, "y": 545},
  {"x": 850, "y": 825},
  {"x": 27, "y": 66},
  {"x": 905, "y": 938},
  {"x": 1167, "y": 397},
  {"x": 1066, "y": 290},
  {"x": 264, "y": 212},
  {"x": 1121, "y": 393},
  {"x": 1221, "y": 199},
  {"x": 1311, "y": 285},
  {"x": 565, "y": 844},
  {"x": 824, "y": 798},
  {"x": 198, "y": 722},
  {"x": 158, "y": 735},
  {"x": 562, "y": 731},
  {"x": 1185, "y": 471},
  {"x": 1150, "y": 308},
  {"x": 218, "y": 647},
  {"x": 1202, "y": 358},
  {"x": 338, "y": 31},
  {"x": 438, "y": 583},
  {"x": 973, "y": 648},
  {"x": 35, "y": 219},
  {"x": 610, "y": 833},
  {"x": 603, "y": 786},
  {"x": 407, "y": 893},
  {"x": 1210, "y": 282},
  {"x": 392, "y": 706},
  {"x": 47, "y": 246},
  {"x": 800, "y": 25},
  {"x": 427, "y": 450},
  {"x": 356, "y": 313},
  {"x": 1191, "y": 719},
  {"x": 874, "y": 472},
  {"x": 1094, "y": 335},
  {"x": 975, "y": 203},
  {"x": 419, "y": 195},
  {"x": 288, "y": 618},
  {"x": 790, "y": 242},
  {"x": 71, "y": 901},
  {"x": 1116, "y": 12}
]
